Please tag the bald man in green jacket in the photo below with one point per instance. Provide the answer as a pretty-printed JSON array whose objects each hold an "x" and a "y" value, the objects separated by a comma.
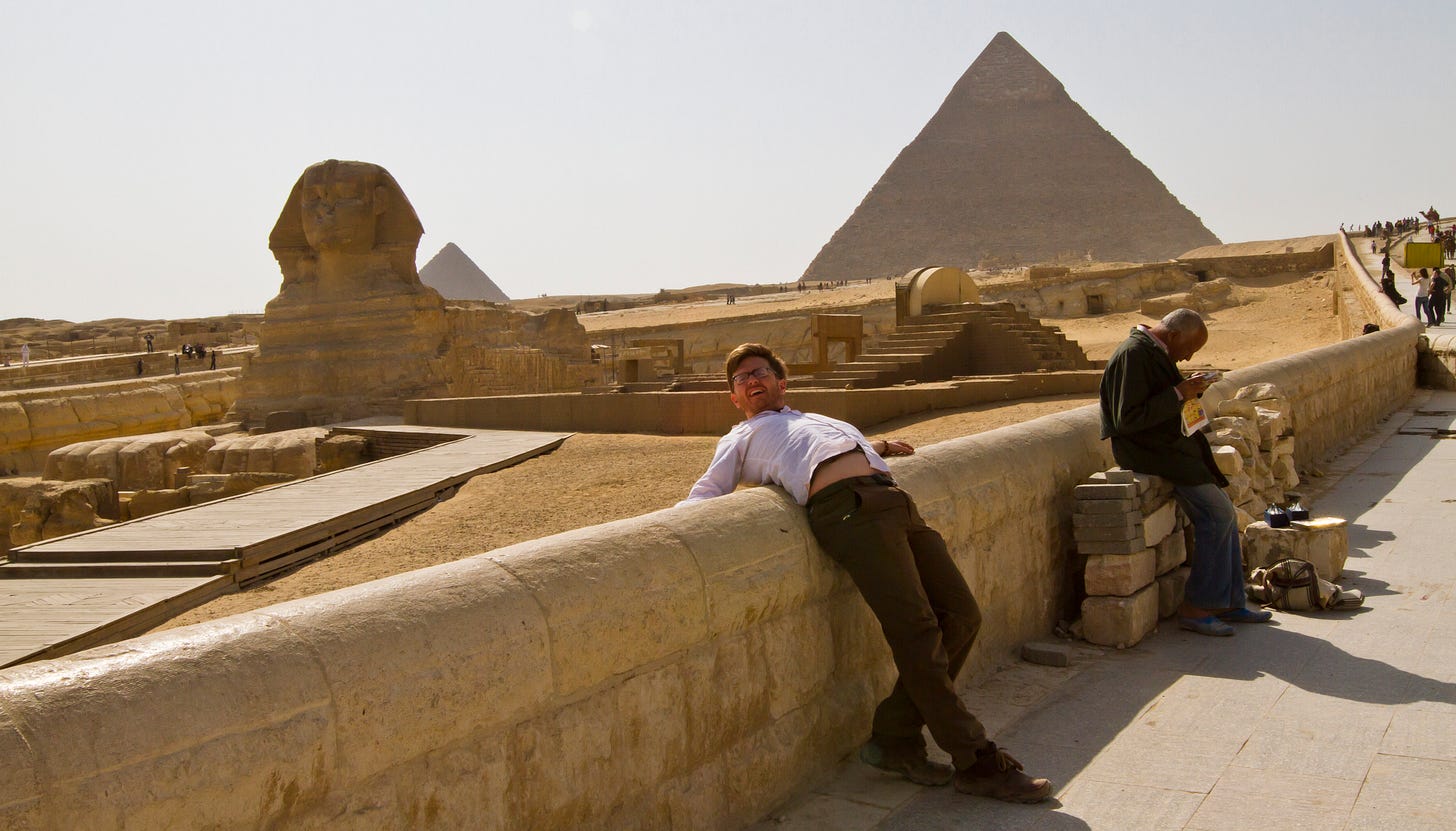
[{"x": 1142, "y": 396}]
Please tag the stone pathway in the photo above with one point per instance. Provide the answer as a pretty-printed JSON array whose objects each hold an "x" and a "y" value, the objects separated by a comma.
[{"x": 1331, "y": 721}]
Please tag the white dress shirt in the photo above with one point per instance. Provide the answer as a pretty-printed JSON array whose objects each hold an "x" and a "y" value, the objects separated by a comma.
[{"x": 780, "y": 447}]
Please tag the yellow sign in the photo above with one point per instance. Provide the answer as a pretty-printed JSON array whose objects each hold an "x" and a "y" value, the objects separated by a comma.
[{"x": 1423, "y": 255}]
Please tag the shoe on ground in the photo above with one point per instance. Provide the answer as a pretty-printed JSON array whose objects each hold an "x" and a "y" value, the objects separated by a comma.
[
  {"x": 998, "y": 776},
  {"x": 1246, "y": 615},
  {"x": 909, "y": 762},
  {"x": 1206, "y": 625}
]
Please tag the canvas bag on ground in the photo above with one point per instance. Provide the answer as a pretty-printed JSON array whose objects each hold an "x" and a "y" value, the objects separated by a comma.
[{"x": 1293, "y": 585}]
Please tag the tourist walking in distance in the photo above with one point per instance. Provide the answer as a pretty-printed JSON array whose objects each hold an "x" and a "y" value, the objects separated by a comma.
[
  {"x": 25, "y": 354},
  {"x": 901, "y": 566},
  {"x": 1422, "y": 281},
  {"x": 1142, "y": 397},
  {"x": 1440, "y": 291}
]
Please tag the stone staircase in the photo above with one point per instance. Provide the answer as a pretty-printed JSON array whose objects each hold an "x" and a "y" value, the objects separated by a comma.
[{"x": 952, "y": 341}]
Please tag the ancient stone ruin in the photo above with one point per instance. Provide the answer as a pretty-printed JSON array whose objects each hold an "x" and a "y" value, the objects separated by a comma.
[
  {"x": 1009, "y": 171},
  {"x": 354, "y": 332}
]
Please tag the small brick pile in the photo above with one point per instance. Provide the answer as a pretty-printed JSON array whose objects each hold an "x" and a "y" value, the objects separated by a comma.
[
  {"x": 1131, "y": 532},
  {"x": 1253, "y": 444}
]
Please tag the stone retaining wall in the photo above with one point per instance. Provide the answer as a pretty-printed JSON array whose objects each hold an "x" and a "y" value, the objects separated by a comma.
[
  {"x": 35, "y": 422},
  {"x": 685, "y": 669},
  {"x": 711, "y": 413}
]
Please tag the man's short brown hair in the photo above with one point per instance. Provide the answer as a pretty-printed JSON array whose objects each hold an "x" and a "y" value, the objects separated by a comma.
[{"x": 745, "y": 351}]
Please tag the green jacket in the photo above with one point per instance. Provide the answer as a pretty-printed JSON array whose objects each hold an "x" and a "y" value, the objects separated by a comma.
[{"x": 1141, "y": 414}]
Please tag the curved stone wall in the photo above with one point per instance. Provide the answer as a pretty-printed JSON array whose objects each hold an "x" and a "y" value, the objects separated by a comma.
[{"x": 687, "y": 668}]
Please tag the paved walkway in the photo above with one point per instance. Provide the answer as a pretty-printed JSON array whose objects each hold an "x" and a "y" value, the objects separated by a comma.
[
  {"x": 1323, "y": 721},
  {"x": 59, "y": 596}
]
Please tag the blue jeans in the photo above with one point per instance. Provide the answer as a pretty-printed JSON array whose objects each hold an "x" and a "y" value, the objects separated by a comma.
[{"x": 1216, "y": 580}]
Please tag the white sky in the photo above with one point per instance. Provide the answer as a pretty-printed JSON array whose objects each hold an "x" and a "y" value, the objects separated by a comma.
[{"x": 613, "y": 147}]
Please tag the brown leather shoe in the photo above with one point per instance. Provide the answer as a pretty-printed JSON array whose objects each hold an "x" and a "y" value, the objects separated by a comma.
[
  {"x": 909, "y": 762},
  {"x": 997, "y": 775}
]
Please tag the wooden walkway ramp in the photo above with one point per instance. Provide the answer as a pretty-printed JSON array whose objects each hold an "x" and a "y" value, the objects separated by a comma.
[{"x": 71, "y": 593}]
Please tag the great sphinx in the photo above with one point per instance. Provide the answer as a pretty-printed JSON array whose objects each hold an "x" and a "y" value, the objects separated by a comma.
[{"x": 352, "y": 332}]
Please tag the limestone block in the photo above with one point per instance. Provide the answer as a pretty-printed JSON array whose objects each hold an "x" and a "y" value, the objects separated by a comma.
[
  {"x": 102, "y": 461},
  {"x": 1119, "y": 574},
  {"x": 1228, "y": 437},
  {"x": 1115, "y": 476},
  {"x": 143, "y": 465},
  {"x": 296, "y": 458},
  {"x": 1105, "y": 491},
  {"x": 1284, "y": 446},
  {"x": 798, "y": 655},
  {"x": 1047, "y": 653},
  {"x": 1271, "y": 427},
  {"x": 650, "y": 595},
  {"x": 187, "y": 697},
  {"x": 340, "y": 452},
  {"x": 1228, "y": 459},
  {"x": 14, "y": 425},
  {"x": 762, "y": 767},
  {"x": 1170, "y": 591},
  {"x": 1131, "y": 546},
  {"x": 1120, "y": 621},
  {"x": 190, "y": 451},
  {"x": 1240, "y": 487},
  {"x": 1265, "y": 395},
  {"x": 148, "y": 502},
  {"x": 70, "y": 511},
  {"x": 1160, "y": 523},
  {"x": 726, "y": 687},
  {"x": 1152, "y": 501},
  {"x": 1322, "y": 541},
  {"x": 746, "y": 584},
  {"x": 1107, "y": 506},
  {"x": 1170, "y": 553},
  {"x": 1244, "y": 518},
  {"x": 34, "y": 509},
  {"x": 1237, "y": 408},
  {"x": 1246, "y": 427},
  {"x": 219, "y": 486},
  {"x": 1130, "y": 521},
  {"x": 1281, "y": 468},
  {"x": 1118, "y": 533}
]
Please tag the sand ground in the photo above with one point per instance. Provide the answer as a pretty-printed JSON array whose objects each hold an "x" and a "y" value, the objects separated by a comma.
[{"x": 596, "y": 478}]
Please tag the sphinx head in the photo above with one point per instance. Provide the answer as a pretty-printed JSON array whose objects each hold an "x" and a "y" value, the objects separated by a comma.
[
  {"x": 340, "y": 207},
  {"x": 340, "y": 204}
]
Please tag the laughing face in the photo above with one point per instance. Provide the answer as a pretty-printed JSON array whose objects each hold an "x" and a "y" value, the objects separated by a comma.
[{"x": 757, "y": 394}]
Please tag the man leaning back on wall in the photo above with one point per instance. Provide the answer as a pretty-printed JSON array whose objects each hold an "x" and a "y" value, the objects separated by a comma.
[{"x": 900, "y": 565}]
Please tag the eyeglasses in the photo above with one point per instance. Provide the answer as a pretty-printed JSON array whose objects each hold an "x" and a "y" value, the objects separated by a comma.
[{"x": 742, "y": 378}]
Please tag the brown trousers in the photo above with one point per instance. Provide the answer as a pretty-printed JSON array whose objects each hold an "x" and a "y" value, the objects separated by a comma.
[{"x": 926, "y": 610}]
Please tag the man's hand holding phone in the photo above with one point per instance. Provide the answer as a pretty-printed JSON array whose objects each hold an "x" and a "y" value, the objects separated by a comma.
[{"x": 1194, "y": 385}]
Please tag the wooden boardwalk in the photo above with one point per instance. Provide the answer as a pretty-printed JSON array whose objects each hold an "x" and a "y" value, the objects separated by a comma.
[{"x": 70, "y": 593}]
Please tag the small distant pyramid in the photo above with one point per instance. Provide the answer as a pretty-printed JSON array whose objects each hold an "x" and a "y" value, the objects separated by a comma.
[
  {"x": 457, "y": 277},
  {"x": 1009, "y": 171}
]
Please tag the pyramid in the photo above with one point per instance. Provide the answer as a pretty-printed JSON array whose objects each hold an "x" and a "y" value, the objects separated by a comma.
[
  {"x": 457, "y": 277},
  {"x": 1009, "y": 171}
]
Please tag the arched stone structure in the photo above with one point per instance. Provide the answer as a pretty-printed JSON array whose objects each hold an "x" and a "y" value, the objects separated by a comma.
[{"x": 935, "y": 286}]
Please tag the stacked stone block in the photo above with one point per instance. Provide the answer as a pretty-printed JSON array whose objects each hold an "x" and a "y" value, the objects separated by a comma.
[
  {"x": 1126, "y": 525},
  {"x": 1321, "y": 540},
  {"x": 1253, "y": 444}
]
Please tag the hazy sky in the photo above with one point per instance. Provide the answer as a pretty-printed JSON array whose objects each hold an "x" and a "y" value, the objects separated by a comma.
[{"x": 612, "y": 147}]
